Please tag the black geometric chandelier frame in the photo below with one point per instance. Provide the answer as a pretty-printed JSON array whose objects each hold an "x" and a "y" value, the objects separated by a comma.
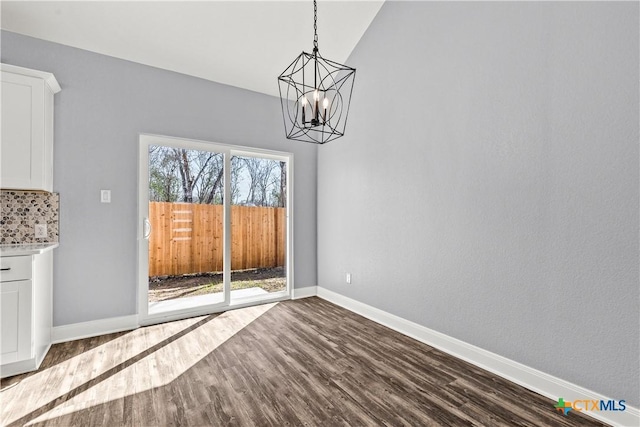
[{"x": 315, "y": 94}]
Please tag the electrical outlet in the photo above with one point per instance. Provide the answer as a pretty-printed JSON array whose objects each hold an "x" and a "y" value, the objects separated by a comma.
[
  {"x": 41, "y": 231},
  {"x": 348, "y": 278},
  {"x": 105, "y": 196}
]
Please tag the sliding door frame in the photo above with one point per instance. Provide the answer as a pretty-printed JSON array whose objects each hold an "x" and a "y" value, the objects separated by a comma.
[{"x": 147, "y": 140}]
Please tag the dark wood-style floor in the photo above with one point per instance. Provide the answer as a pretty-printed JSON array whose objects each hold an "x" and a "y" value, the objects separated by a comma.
[{"x": 303, "y": 362}]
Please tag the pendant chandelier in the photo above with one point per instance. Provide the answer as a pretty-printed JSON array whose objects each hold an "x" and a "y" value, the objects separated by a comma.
[{"x": 315, "y": 94}]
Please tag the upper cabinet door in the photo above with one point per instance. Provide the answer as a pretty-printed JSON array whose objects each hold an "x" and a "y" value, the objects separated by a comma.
[{"x": 27, "y": 129}]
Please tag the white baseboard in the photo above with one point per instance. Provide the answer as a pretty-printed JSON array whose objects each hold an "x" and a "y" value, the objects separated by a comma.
[
  {"x": 93, "y": 328},
  {"x": 532, "y": 379},
  {"x": 17, "y": 368},
  {"x": 306, "y": 292}
]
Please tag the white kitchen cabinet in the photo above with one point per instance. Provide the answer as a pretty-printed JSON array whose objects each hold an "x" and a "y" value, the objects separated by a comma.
[
  {"x": 25, "y": 311},
  {"x": 15, "y": 319},
  {"x": 27, "y": 128}
]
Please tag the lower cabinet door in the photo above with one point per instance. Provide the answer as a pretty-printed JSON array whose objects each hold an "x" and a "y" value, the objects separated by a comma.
[{"x": 15, "y": 321}]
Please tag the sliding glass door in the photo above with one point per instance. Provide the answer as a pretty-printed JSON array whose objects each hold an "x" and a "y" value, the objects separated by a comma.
[
  {"x": 258, "y": 226},
  {"x": 214, "y": 227}
]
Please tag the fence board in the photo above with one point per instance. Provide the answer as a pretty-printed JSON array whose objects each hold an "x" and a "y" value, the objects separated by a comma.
[{"x": 188, "y": 238}]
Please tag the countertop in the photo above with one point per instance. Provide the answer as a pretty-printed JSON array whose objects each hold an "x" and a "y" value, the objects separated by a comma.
[{"x": 26, "y": 249}]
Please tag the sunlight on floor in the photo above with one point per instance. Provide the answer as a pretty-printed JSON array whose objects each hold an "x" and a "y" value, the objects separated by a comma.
[
  {"x": 202, "y": 300},
  {"x": 154, "y": 349}
]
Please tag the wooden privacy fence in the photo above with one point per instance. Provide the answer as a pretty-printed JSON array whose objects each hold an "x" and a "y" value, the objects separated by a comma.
[{"x": 187, "y": 238}]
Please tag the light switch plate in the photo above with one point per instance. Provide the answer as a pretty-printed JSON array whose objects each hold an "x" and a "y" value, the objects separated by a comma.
[{"x": 105, "y": 196}]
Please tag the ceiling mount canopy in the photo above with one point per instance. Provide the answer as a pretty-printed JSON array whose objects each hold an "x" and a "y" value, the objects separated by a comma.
[{"x": 315, "y": 94}]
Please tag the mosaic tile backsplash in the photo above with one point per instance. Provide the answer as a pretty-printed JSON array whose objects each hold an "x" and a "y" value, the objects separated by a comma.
[{"x": 22, "y": 210}]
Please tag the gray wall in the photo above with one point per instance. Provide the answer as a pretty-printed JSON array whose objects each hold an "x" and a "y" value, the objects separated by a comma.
[
  {"x": 104, "y": 104},
  {"x": 487, "y": 187}
]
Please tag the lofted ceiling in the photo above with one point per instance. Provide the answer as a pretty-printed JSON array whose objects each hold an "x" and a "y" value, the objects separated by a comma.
[{"x": 240, "y": 43}]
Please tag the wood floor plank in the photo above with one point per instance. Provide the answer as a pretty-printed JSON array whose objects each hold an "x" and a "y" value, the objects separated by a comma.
[{"x": 304, "y": 362}]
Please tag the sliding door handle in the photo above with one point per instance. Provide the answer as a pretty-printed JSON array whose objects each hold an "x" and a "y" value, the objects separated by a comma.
[{"x": 146, "y": 228}]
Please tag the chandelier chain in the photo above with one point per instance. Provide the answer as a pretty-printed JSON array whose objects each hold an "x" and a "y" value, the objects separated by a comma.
[{"x": 315, "y": 26}]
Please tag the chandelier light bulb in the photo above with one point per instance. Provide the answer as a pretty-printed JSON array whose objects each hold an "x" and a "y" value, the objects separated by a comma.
[
  {"x": 304, "y": 109},
  {"x": 325, "y": 104},
  {"x": 316, "y": 109}
]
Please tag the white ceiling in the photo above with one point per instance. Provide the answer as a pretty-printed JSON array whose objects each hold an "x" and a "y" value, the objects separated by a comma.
[{"x": 240, "y": 43}]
